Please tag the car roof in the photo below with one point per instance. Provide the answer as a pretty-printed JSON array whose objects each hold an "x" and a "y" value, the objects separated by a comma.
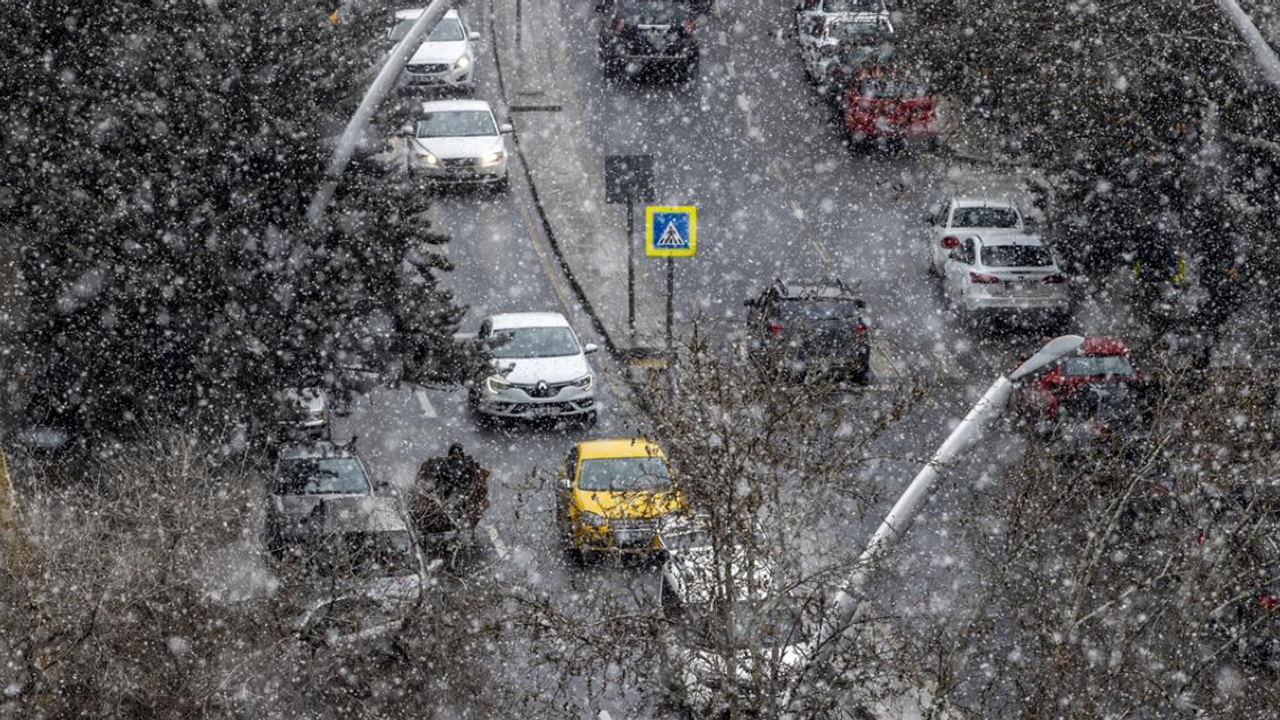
[
  {"x": 814, "y": 289},
  {"x": 508, "y": 321},
  {"x": 618, "y": 448},
  {"x": 1102, "y": 345},
  {"x": 313, "y": 450},
  {"x": 455, "y": 105},
  {"x": 1008, "y": 238},
  {"x": 413, "y": 13},
  {"x": 968, "y": 202}
]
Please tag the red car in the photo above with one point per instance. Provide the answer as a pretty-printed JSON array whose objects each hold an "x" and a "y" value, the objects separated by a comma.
[
  {"x": 881, "y": 103},
  {"x": 1098, "y": 383}
]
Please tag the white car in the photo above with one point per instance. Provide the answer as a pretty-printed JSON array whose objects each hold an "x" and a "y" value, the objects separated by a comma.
[
  {"x": 768, "y": 628},
  {"x": 540, "y": 370},
  {"x": 446, "y": 59},
  {"x": 1005, "y": 272},
  {"x": 306, "y": 410},
  {"x": 868, "y": 36},
  {"x": 813, "y": 15},
  {"x": 458, "y": 141},
  {"x": 967, "y": 215}
]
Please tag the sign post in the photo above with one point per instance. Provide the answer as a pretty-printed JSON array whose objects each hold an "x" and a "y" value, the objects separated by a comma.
[
  {"x": 629, "y": 179},
  {"x": 670, "y": 231}
]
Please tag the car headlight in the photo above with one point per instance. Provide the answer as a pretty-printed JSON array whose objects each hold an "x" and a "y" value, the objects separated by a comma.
[
  {"x": 492, "y": 158},
  {"x": 462, "y": 63},
  {"x": 591, "y": 519},
  {"x": 496, "y": 384},
  {"x": 430, "y": 160},
  {"x": 585, "y": 382}
]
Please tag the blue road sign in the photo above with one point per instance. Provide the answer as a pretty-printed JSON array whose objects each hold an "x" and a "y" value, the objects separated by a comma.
[{"x": 670, "y": 230}]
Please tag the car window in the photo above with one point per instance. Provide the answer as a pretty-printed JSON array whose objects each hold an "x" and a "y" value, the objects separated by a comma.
[
  {"x": 966, "y": 252},
  {"x": 835, "y": 6},
  {"x": 321, "y": 476},
  {"x": 810, "y": 311},
  {"x": 457, "y": 123},
  {"x": 1091, "y": 365},
  {"x": 864, "y": 33},
  {"x": 624, "y": 474},
  {"x": 1016, "y": 256},
  {"x": 447, "y": 30},
  {"x": 533, "y": 343},
  {"x": 984, "y": 217}
]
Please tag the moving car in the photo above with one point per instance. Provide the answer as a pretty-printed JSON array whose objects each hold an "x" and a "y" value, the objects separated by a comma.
[
  {"x": 1003, "y": 273},
  {"x": 539, "y": 371},
  {"x": 313, "y": 484},
  {"x": 886, "y": 104},
  {"x": 813, "y": 329},
  {"x": 458, "y": 141},
  {"x": 616, "y": 495},
  {"x": 649, "y": 35},
  {"x": 759, "y": 626},
  {"x": 446, "y": 59},
  {"x": 967, "y": 215},
  {"x": 306, "y": 410},
  {"x": 848, "y": 40},
  {"x": 1101, "y": 363}
]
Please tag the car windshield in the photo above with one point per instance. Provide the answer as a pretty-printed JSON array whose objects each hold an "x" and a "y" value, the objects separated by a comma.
[
  {"x": 624, "y": 474},
  {"x": 457, "y": 123},
  {"x": 380, "y": 554},
  {"x": 1098, "y": 403},
  {"x": 835, "y": 6},
  {"x": 892, "y": 88},
  {"x": 863, "y": 33},
  {"x": 533, "y": 343},
  {"x": 321, "y": 476},
  {"x": 1091, "y": 365},
  {"x": 447, "y": 30},
  {"x": 776, "y": 625},
  {"x": 1016, "y": 256},
  {"x": 652, "y": 12},
  {"x": 812, "y": 311},
  {"x": 984, "y": 217}
]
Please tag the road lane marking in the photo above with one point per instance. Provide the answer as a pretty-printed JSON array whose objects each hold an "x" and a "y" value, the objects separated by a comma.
[
  {"x": 425, "y": 403},
  {"x": 497, "y": 541}
]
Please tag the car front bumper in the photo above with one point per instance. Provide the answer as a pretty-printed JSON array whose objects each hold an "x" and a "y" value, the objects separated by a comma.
[
  {"x": 472, "y": 173},
  {"x": 446, "y": 79},
  {"x": 994, "y": 303},
  {"x": 515, "y": 404}
]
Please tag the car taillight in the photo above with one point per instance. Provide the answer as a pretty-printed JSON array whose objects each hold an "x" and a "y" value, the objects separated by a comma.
[
  {"x": 687, "y": 26},
  {"x": 1056, "y": 278},
  {"x": 775, "y": 328},
  {"x": 1269, "y": 602},
  {"x": 837, "y": 72},
  {"x": 982, "y": 278},
  {"x": 949, "y": 242},
  {"x": 859, "y": 328}
]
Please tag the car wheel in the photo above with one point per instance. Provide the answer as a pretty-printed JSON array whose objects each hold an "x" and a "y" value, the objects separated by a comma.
[{"x": 503, "y": 186}]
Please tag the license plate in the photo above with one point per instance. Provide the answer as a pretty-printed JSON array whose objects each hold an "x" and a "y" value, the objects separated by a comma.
[{"x": 549, "y": 411}]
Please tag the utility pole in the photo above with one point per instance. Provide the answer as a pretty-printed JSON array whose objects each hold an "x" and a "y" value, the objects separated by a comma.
[
  {"x": 358, "y": 126},
  {"x": 1262, "y": 52}
]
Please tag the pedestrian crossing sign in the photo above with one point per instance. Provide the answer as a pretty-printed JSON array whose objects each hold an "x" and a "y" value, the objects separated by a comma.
[{"x": 670, "y": 230}]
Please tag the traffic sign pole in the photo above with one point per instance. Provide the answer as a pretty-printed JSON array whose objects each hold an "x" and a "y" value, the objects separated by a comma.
[
  {"x": 671, "y": 303},
  {"x": 631, "y": 267}
]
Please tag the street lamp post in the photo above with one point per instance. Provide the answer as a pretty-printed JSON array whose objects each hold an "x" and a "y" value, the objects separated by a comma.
[{"x": 989, "y": 407}]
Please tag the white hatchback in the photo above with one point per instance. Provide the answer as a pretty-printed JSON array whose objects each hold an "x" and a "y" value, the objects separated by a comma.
[
  {"x": 458, "y": 141},
  {"x": 540, "y": 370},
  {"x": 1005, "y": 272},
  {"x": 968, "y": 215},
  {"x": 446, "y": 59}
]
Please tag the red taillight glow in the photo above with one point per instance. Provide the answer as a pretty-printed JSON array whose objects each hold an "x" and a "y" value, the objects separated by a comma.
[
  {"x": 859, "y": 329},
  {"x": 1269, "y": 602},
  {"x": 688, "y": 26},
  {"x": 949, "y": 242},
  {"x": 1056, "y": 278},
  {"x": 775, "y": 328},
  {"x": 982, "y": 278}
]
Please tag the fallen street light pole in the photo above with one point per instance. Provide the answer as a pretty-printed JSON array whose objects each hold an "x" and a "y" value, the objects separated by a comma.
[
  {"x": 358, "y": 126},
  {"x": 1262, "y": 52},
  {"x": 895, "y": 524}
]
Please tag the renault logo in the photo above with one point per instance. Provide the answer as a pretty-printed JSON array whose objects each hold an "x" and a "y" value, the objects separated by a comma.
[{"x": 541, "y": 387}]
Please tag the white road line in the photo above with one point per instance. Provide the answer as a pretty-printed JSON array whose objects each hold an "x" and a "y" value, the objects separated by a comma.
[
  {"x": 497, "y": 541},
  {"x": 425, "y": 403},
  {"x": 885, "y": 364}
]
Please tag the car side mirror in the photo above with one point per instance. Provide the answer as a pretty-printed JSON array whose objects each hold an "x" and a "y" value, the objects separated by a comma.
[
  {"x": 930, "y": 220},
  {"x": 565, "y": 483},
  {"x": 473, "y": 36},
  {"x": 860, "y": 304},
  {"x": 749, "y": 303},
  {"x": 955, "y": 255},
  {"x": 406, "y": 130},
  {"x": 506, "y": 128},
  {"x": 589, "y": 348}
]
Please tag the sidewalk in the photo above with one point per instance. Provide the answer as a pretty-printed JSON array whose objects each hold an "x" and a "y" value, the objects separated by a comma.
[{"x": 567, "y": 175}]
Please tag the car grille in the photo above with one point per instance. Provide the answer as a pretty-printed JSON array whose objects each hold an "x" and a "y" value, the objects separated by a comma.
[
  {"x": 633, "y": 532},
  {"x": 427, "y": 68},
  {"x": 546, "y": 390},
  {"x": 458, "y": 162}
]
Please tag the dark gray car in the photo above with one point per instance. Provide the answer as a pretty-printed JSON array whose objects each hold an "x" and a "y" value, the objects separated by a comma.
[{"x": 658, "y": 35}]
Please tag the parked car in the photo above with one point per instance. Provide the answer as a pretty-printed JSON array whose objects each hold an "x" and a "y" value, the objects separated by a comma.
[
  {"x": 653, "y": 35},
  {"x": 813, "y": 15},
  {"x": 615, "y": 495},
  {"x": 967, "y": 215},
  {"x": 886, "y": 104},
  {"x": 760, "y": 626},
  {"x": 814, "y": 329},
  {"x": 861, "y": 45},
  {"x": 1005, "y": 274},
  {"x": 305, "y": 410},
  {"x": 539, "y": 371},
  {"x": 446, "y": 58},
  {"x": 312, "y": 483},
  {"x": 458, "y": 142}
]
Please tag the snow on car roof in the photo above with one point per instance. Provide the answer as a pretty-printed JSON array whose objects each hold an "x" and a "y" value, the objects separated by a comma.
[
  {"x": 507, "y": 321},
  {"x": 413, "y": 13},
  {"x": 454, "y": 105},
  {"x": 618, "y": 448}
]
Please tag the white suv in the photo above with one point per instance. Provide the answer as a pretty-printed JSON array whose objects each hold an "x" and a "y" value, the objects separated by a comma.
[
  {"x": 1005, "y": 272},
  {"x": 446, "y": 59},
  {"x": 540, "y": 370}
]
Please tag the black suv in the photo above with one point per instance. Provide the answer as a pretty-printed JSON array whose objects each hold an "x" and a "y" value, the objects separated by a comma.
[
  {"x": 803, "y": 330},
  {"x": 658, "y": 34}
]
